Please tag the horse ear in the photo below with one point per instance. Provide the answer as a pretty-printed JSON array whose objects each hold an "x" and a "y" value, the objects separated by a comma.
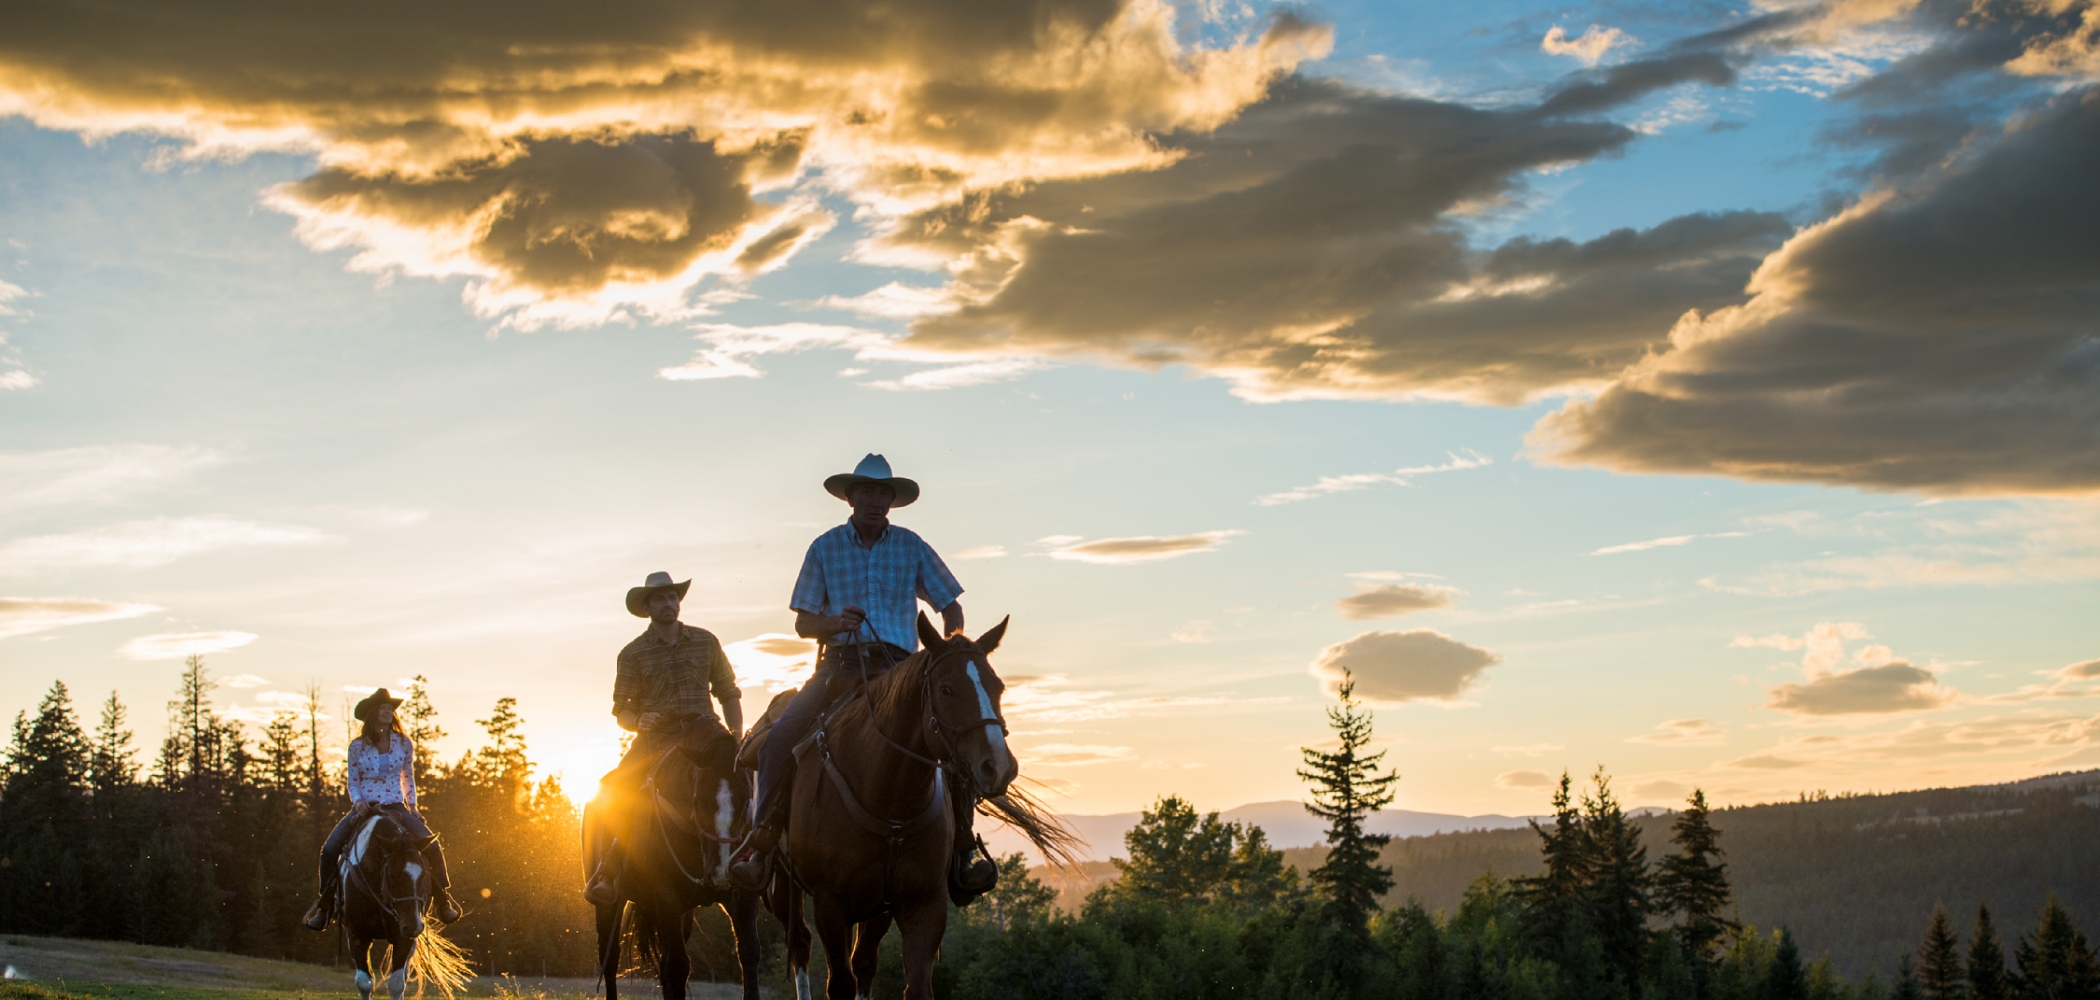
[
  {"x": 928, "y": 635},
  {"x": 990, "y": 639}
]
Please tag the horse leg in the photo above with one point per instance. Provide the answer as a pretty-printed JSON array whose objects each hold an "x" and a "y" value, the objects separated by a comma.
[
  {"x": 922, "y": 928},
  {"x": 867, "y": 953},
  {"x": 785, "y": 898},
  {"x": 673, "y": 966},
  {"x": 742, "y": 908},
  {"x": 609, "y": 949},
  {"x": 397, "y": 975},
  {"x": 361, "y": 961},
  {"x": 837, "y": 933}
]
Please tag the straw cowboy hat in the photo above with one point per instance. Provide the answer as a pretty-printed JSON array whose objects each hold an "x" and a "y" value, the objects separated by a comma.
[
  {"x": 657, "y": 583},
  {"x": 372, "y": 701},
  {"x": 872, "y": 469}
]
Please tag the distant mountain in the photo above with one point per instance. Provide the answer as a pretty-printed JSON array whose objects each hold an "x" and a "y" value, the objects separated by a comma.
[
  {"x": 1854, "y": 877},
  {"x": 1286, "y": 823}
]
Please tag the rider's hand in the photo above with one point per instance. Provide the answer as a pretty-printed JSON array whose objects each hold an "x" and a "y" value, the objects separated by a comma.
[
  {"x": 851, "y": 618},
  {"x": 648, "y": 720}
]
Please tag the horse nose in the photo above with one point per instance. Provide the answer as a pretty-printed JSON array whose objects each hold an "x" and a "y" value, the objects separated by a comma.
[{"x": 991, "y": 775}]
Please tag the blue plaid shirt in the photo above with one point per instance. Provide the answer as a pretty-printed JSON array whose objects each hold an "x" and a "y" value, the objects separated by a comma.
[{"x": 884, "y": 579}]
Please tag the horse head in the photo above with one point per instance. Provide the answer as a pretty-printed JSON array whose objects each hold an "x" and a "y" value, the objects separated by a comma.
[
  {"x": 964, "y": 692},
  {"x": 393, "y": 866}
]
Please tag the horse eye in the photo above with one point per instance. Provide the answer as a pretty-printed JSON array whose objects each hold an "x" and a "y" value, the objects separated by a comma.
[{"x": 945, "y": 689}]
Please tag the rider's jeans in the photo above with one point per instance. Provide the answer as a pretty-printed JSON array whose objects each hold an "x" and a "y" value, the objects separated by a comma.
[
  {"x": 408, "y": 819},
  {"x": 777, "y": 757}
]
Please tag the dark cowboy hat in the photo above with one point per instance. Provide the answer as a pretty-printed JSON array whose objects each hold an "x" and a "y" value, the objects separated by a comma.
[
  {"x": 872, "y": 469},
  {"x": 364, "y": 708},
  {"x": 638, "y": 597}
]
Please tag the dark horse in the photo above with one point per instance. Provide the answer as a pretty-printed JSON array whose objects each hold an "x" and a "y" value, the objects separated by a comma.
[
  {"x": 871, "y": 830},
  {"x": 690, "y": 813},
  {"x": 386, "y": 900}
]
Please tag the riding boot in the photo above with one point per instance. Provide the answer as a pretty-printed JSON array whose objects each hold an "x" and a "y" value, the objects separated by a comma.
[
  {"x": 317, "y": 915},
  {"x": 968, "y": 879},
  {"x": 750, "y": 873},
  {"x": 604, "y": 886},
  {"x": 441, "y": 902}
]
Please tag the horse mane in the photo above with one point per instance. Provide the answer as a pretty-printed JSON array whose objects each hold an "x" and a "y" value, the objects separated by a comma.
[{"x": 894, "y": 693}]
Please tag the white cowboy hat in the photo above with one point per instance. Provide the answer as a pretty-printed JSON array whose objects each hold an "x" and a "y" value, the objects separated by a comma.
[{"x": 872, "y": 469}]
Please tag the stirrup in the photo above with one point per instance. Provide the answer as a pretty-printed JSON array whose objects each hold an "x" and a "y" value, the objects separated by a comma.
[
  {"x": 751, "y": 873},
  {"x": 320, "y": 913}
]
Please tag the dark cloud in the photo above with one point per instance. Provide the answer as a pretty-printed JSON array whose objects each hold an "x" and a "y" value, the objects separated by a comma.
[
  {"x": 1890, "y": 687},
  {"x": 1306, "y": 249},
  {"x": 1629, "y": 80},
  {"x": 1392, "y": 600},
  {"x": 1940, "y": 337},
  {"x": 1395, "y": 667}
]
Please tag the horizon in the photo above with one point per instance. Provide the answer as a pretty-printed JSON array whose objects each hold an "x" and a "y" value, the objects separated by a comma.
[{"x": 1705, "y": 393}]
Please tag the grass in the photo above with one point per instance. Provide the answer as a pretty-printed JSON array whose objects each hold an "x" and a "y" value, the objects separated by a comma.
[{"x": 43, "y": 968}]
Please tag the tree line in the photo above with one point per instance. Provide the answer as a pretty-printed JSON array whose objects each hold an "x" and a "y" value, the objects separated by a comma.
[{"x": 212, "y": 845}]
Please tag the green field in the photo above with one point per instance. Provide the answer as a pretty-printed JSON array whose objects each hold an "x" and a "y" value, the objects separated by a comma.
[{"x": 40, "y": 968}]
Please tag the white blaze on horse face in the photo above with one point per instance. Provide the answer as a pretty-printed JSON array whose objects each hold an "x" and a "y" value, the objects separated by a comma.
[
  {"x": 725, "y": 820},
  {"x": 984, "y": 708}
]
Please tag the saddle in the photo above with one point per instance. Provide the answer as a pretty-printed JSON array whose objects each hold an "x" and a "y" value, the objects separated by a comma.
[{"x": 754, "y": 741}]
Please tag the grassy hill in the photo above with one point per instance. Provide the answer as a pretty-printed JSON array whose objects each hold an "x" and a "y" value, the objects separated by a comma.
[{"x": 44, "y": 968}]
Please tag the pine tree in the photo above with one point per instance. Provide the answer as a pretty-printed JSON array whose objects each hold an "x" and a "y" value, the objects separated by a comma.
[
  {"x": 112, "y": 764},
  {"x": 280, "y": 752},
  {"x": 1987, "y": 977},
  {"x": 1693, "y": 882},
  {"x": 1175, "y": 856},
  {"x": 2056, "y": 963},
  {"x": 1786, "y": 978},
  {"x": 419, "y": 717},
  {"x": 1616, "y": 891},
  {"x": 48, "y": 765},
  {"x": 1552, "y": 899},
  {"x": 1939, "y": 960},
  {"x": 1906, "y": 981},
  {"x": 1347, "y": 787}
]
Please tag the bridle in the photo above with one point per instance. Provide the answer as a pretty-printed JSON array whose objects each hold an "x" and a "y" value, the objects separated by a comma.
[{"x": 934, "y": 726}]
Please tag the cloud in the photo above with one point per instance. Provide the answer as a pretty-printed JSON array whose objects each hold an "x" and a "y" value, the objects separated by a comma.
[
  {"x": 150, "y": 543},
  {"x": 774, "y": 661},
  {"x": 2021, "y": 543},
  {"x": 1763, "y": 762},
  {"x": 959, "y": 376},
  {"x": 2084, "y": 670},
  {"x": 177, "y": 645},
  {"x": 1935, "y": 336},
  {"x": 594, "y": 169},
  {"x": 1529, "y": 750},
  {"x": 24, "y": 615},
  {"x": 1684, "y": 733},
  {"x": 100, "y": 474},
  {"x": 1589, "y": 47},
  {"x": 1658, "y": 543},
  {"x": 1139, "y": 548},
  {"x": 982, "y": 552},
  {"x": 244, "y": 681},
  {"x": 18, "y": 379},
  {"x": 1890, "y": 687},
  {"x": 1399, "y": 667},
  {"x": 1524, "y": 779},
  {"x": 1393, "y": 600},
  {"x": 1075, "y": 755},
  {"x": 1356, "y": 481},
  {"x": 1304, "y": 250}
]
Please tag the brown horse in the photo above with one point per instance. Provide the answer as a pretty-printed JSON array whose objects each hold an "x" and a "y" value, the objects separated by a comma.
[
  {"x": 871, "y": 829},
  {"x": 680, "y": 834},
  {"x": 386, "y": 892}
]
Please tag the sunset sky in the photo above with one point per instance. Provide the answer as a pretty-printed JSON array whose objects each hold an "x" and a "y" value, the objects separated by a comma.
[{"x": 1706, "y": 390}]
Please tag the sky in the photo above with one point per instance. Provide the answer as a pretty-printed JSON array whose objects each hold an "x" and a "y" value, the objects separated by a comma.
[{"x": 1707, "y": 391}]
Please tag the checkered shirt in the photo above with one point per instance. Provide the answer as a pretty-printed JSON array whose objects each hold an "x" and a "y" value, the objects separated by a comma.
[
  {"x": 887, "y": 579},
  {"x": 673, "y": 678}
]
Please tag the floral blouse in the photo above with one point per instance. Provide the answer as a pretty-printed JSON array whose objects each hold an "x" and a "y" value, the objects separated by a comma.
[{"x": 383, "y": 778}]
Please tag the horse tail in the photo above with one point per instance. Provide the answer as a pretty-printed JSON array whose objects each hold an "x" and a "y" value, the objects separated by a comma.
[
  {"x": 438, "y": 962},
  {"x": 1059, "y": 844}
]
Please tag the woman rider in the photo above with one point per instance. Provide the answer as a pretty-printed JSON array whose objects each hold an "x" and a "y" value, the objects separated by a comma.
[{"x": 382, "y": 779}]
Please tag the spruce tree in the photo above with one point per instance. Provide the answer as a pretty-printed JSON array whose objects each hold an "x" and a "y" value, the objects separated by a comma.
[
  {"x": 2056, "y": 963},
  {"x": 1552, "y": 899},
  {"x": 419, "y": 718},
  {"x": 1906, "y": 981},
  {"x": 1617, "y": 889},
  {"x": 48, "y": 765},
  {"x": 1987, "y": 977},
  {"x": 111, "y": 765},
  {"x": 1939, "y": 960},
  {"x": 1693, "y": 882},
  {"x": 1786, "y": 978},
  {"x": 1348, "y": 786}
]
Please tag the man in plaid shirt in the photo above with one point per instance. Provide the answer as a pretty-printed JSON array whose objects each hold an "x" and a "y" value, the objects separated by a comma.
[{"x": 858, "y": 594}]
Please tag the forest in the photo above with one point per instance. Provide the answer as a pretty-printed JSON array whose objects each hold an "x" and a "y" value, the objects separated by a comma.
[{"x": 210, "y": 845}]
